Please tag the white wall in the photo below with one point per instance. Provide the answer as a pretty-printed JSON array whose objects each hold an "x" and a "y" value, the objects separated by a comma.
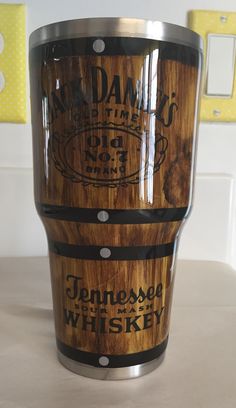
[{"x": 211, "y": 231}]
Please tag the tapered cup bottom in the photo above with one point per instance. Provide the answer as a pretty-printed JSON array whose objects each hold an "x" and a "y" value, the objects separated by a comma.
[{"x": 122, "y": 373}]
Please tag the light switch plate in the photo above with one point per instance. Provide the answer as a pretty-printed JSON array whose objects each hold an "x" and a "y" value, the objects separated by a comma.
[
  {"x": 12, "y": 63},
  {"x": 217, "y": 108}
]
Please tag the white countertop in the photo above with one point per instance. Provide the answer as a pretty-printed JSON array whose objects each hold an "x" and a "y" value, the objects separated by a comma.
[{"x": 199, "y": 369}]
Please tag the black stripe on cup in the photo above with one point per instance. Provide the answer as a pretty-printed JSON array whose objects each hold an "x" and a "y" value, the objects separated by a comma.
[
  {"x": 116, "y": 46},
  {"x": 110, "y": 252},
  {"x": 111, "y": 216},
  {"x": 110, "y": 360}
]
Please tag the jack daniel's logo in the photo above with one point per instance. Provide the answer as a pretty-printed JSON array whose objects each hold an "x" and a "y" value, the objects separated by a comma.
[
  {"x": 98, "y": 89},
  {"x": 106, "y": 139}
]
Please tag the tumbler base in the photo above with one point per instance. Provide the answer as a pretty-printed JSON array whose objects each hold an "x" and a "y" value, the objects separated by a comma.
[{"x": 121, "y": 373}]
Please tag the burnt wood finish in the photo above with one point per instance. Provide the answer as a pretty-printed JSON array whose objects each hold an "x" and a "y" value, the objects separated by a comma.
[{"x": 115, "y": 132}]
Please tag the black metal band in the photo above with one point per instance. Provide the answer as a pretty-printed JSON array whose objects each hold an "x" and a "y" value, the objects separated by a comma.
[
  {"x": 90, "y": 215},
  {"x": 116, "y": 46},
  {"x": 115, "y": 361},
  {"x": 111, "y": 253}
]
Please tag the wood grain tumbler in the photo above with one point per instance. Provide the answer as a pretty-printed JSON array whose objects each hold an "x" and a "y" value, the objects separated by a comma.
[{"x": 114, "y": 115}]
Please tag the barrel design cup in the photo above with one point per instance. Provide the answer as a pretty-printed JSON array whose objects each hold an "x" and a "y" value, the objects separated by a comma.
[{"x": 114, "y": 115}]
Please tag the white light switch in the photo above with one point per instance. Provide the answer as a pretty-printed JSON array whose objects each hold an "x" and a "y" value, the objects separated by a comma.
[
  {"x": 1, "y": 43},
  {"x": 220, "y": 65},
  {"x": 2, "y": 81}
]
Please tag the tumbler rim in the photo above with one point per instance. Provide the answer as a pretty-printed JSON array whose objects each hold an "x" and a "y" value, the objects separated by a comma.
[{"x": 116, "y": 27}]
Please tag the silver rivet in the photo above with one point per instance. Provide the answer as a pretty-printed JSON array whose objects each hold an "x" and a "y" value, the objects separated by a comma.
[
  {"x": 103, "y": 216},
  {"x": 223, "y": 19},
  {"x": 216, "y": 112},
  {"x": 103, "y": 361},
  {"x": 105, "y": 252},
  {"x": 99, "y": 45}
]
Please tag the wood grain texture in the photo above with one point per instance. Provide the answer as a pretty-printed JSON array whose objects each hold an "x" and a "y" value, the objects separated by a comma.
[
  {"x": 127, "y": 143},
  {"x": 115, "y": 235}
]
